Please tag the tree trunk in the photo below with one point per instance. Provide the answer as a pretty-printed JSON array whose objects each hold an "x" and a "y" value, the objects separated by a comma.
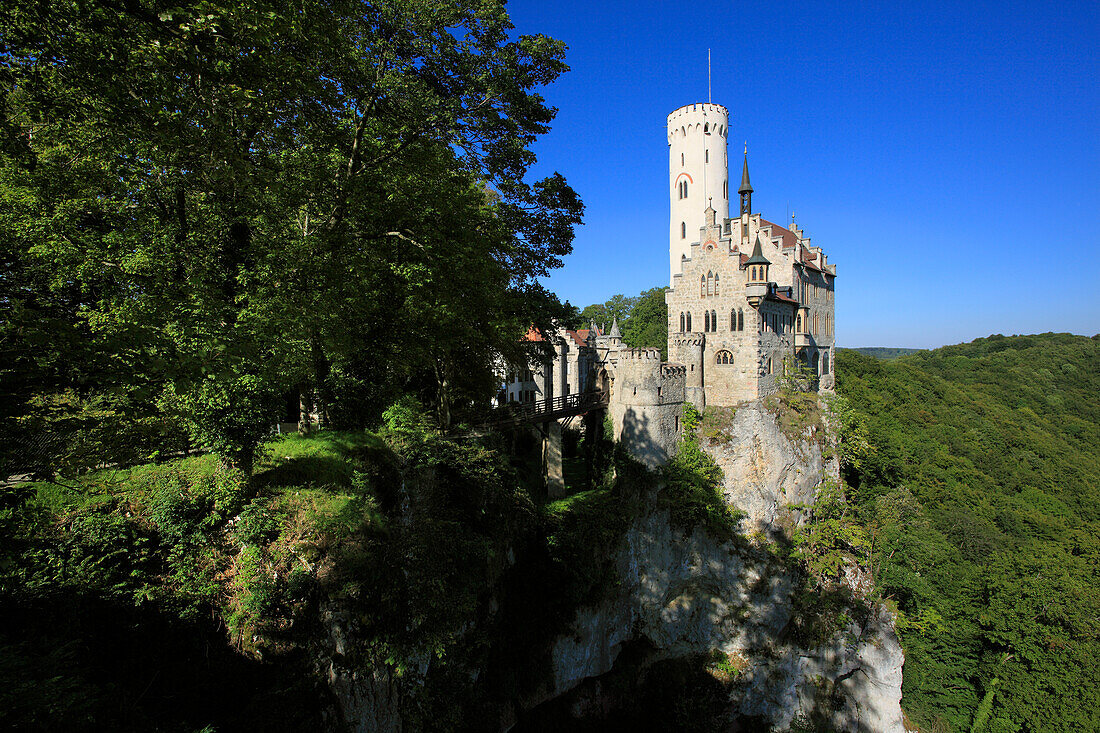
[
  {"x": 303, "y": 409},
  {"x": 443, "y": 380},
  {"x": 321, "y": 368}
]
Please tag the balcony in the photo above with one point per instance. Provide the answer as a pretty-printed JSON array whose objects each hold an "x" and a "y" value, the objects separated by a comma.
[{"x": 803, "y": 339}]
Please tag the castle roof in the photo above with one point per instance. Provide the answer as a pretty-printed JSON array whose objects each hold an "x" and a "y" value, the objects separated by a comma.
[
  {"x": 614, "y": 333},
  {"x": 789, "y": 238},
  {"x": 776, "y": 295},
  {"x": 746, "y": 187},
  {"x": 758, "y": 257}
]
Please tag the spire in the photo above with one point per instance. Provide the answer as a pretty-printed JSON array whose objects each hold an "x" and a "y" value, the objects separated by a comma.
[
  {"x": 746, "y": 187},
  {"x": 757, "y": 257},
  {"x": 615, "y": 329}
]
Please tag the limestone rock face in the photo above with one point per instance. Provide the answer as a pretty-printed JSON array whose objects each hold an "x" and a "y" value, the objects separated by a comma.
[
  {"x": 688, "y": 593},
  {"x": 764, "y": 471}
]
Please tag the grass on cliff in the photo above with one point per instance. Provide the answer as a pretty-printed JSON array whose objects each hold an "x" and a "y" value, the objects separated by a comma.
[{"x": 693, "y": 487}]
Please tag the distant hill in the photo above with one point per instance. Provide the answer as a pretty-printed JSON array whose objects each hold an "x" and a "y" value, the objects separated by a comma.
[
  {"x": 884, "y": 352},
  {"x": 976, "y": 469}
]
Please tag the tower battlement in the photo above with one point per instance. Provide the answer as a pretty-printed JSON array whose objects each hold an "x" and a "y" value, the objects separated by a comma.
[{"x": 644, "y": 354}]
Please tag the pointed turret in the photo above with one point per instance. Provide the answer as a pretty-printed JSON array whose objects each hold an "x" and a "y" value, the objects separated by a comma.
[
  {"x": 614, "y": 332},
  {"x": 756, "y": 285},
  {"x": 746, "y": 187},
  {"x": 746, "y": 197},
  {"x": 757, "y": 257}
]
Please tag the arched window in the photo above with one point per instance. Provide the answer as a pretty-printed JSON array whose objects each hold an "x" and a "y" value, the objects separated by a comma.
[
  {"x": 681, "y": 323},
  {"x": 683, "y": 230},
  {"x": 813, "y": 364},
  {"x": 706, "y": 321},
  {"x": 733, "y": 319},
  {"x": 725, "y": 189},
  {"x": 723, "y": 357},
  {"x": 752, "y": 275},
  {"x": 681, "y": 158},
  {"x": 825, "y": 363},
  {"x": 716, "y": 283},
  {"x": 798, "y": 323},
  {"x": 710, "y": 283},
  {"x": 702, "y": 286},
  {"x": 740, "y": 320},
  {"x": 683, "y": 131},
  {"x": 689, "y": 322},
  {"x": 713, "y": 321}
]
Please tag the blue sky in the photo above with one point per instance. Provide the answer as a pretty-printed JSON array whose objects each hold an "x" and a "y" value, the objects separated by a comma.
[{"x": 946, "y": 157}]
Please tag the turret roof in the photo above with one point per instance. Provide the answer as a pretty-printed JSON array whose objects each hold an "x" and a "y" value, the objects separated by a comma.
[
  {"x": 614, "y": 332},
  {"x": 746, "y": 187},
  {"x": 758, "y": 257}
]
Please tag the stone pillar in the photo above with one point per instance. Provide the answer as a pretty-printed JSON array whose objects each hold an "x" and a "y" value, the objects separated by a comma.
[{"x": 551, "y": 459}]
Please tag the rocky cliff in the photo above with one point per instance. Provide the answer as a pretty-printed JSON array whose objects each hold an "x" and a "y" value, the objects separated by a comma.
[
  {"x": 686, "y": 593},
  {"x": 778, "y": 653}
]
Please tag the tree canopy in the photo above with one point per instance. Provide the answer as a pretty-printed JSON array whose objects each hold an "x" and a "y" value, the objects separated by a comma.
[
  {"x": 978, "y": 483},
  {"x": 208, "y": 207}
]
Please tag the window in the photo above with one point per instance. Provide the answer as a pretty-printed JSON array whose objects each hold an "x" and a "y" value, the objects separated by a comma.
[
  {"x": 825, "y": 363},
  {"x": 723, "y": 357},
  {"x": 725, "y": 189},
  {"x": 752, "y": 275},
  {"x": 689, "y": 322},
  {"x": 798, "y": 323},
  {"x": 740, "y": 320},
  {"x": 733, "y": 319},
  {"x": 706, "y": 321},
  {"x": 716, "y": 283},
  {"x": 683, "y": 230},
  {"x": 681, "y": 158},
  {"x": 713, "y": 321},
  {"x": 681, "y": 323},
  {"x": 702, "y": 286},
  {"x": 706, "y": 156},
  {"x": 710, "y": 283}
]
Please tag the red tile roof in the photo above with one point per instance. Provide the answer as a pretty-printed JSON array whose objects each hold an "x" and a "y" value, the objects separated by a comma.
[
  {"x": 781, "y": 298},
  {"x": 789, "y": 238}
]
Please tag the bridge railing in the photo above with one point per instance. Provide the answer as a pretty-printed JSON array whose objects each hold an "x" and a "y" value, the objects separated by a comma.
[{"x": 548, "y": 409}]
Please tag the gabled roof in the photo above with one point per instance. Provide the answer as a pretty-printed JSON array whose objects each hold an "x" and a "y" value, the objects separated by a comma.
[{"x": 789, "y": 238}]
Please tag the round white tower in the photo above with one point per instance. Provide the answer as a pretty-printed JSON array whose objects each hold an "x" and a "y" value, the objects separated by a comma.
[{"x": 697, "y": 174}]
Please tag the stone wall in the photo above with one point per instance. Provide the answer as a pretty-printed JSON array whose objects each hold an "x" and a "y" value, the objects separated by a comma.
[{"x": 646, "y": 403}]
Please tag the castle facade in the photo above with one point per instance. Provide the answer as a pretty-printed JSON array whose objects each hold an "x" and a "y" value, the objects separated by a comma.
[{"x": 749, "y": 300}]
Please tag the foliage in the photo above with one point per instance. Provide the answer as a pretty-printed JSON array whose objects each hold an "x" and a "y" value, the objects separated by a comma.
[
  {"x": 206, "y": 208},
  {"x": 643, "y": 319},
  {"x": 831, "y": 538},
  {"x": 884, "y": 352},
  {"x": 977, "y": 486},
  {"x": 693, "y": 486},
  {"x": 799, "y": 415}
]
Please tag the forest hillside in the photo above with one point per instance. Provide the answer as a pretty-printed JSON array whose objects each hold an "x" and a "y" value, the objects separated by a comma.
[{"x": 978, "y": 479}]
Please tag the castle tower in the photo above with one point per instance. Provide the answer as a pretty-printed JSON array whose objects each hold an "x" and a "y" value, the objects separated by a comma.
[
  {"x": 745, "y": 192},
  {"x": 697, "y": 174}
]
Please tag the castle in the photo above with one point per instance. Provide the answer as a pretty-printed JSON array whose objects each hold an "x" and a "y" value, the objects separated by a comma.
[{"x": 748, "y": 299}]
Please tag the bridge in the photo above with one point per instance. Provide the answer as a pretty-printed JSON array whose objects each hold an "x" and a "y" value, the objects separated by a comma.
[
  {"x": 545, "y": 416},
  {"x": 541, "y": 411}
]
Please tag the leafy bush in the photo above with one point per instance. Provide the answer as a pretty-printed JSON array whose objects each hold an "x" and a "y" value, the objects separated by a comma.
[{"x": 693, "y": 491}]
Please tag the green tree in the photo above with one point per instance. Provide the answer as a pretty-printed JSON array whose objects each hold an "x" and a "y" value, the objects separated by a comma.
[
  {"x": 233, "y": 202},
  {"x": 647, "y": 325}
]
